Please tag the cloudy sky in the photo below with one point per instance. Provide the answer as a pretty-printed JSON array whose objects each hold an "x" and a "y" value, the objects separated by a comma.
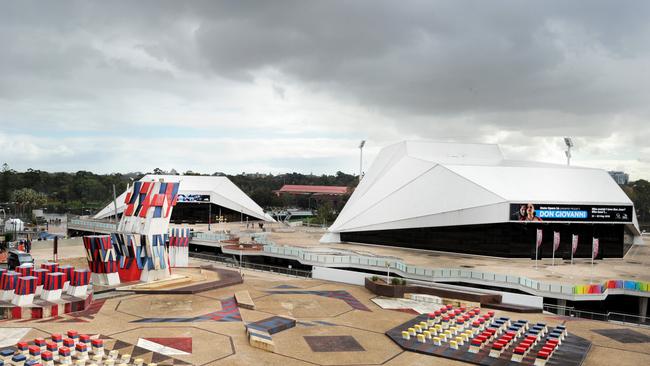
[{"x": 282, "y": 86}]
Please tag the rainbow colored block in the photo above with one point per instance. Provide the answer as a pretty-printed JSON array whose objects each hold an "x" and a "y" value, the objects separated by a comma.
[
  {"x": 64, "y": 352},
  {"x": 54, "y": 281},
  {"x": 26, "y": 285},
  {"x": 50, "y": 266},
  {"x": 595, "y": 289},
  {"x": 81, "y": 277},
  {"x": 630, "y": 285}
]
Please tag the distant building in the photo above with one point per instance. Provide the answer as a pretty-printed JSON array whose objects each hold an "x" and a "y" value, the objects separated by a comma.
[
  {"x": 312, "y": 190},
  {"x": 201, "y": 197},
  {"x": 620, "y": 177},
  {"x": 467, "y": 198}
]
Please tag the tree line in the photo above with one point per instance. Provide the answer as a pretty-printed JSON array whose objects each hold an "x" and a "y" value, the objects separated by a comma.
[{"x": 85, "y": 192}]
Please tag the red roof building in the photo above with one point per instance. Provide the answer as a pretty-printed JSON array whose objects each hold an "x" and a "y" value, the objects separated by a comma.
[{"x": 313, "y": 190}]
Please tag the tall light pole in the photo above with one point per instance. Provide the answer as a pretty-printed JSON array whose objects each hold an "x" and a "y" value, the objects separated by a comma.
[
  {"x": 361, "y": 145},
  {"x": 569, "y": 144}
]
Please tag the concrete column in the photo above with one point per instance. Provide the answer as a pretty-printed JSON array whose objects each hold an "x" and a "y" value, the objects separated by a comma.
[
  {"x": 643, "y": 308},
  {"x": 562, "y": 304}
]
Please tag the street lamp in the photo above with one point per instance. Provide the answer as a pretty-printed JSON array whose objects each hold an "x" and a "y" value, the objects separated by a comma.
[
  {"x": 361, "y": 145},
  {"x": 569, "y": 144}
]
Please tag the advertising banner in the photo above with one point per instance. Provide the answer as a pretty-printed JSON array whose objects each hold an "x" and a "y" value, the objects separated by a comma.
[
  {"x": 556, "y": 240},
  {"x": 193, "y": 198},
  {"x": 574, "y": 244},
  {"x": 550, "y": 212},
  {"x": 539, "y": 237}
]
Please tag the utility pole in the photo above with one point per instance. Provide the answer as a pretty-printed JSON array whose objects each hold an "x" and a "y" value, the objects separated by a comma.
[
  {"x": 115, "y": 203},
  {"x": 361, "y": 145},
  {"x": 209, "y": 214},
  {"x": 569, "y": 144}
]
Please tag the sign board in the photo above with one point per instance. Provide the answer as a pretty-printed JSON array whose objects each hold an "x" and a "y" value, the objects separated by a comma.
[
  {"x": 193, "y": 198},
  {"x": 528, "y": 212}
]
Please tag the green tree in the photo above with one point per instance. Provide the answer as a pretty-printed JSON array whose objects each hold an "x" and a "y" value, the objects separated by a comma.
[
  {"x": 325, "y": 213},
  {"x": 27, "y": 198},
  {"x": 641, "y": 199}
]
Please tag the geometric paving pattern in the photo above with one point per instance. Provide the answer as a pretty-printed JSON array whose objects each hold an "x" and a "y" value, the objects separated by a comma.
[
  {"x": 333, "y": 344},
  {"x": 341, "y": 295},
  {"x": 229, "y": 313},
  {"x": 139, "y": 352},
  {"x": 624, "y": 335},
  {"x": 167, "y": 345}
]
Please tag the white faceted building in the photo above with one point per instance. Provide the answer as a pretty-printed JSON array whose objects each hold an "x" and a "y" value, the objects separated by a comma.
[
  {"x": 194, "y": 194},
  {"x": 468, "y": 198}
]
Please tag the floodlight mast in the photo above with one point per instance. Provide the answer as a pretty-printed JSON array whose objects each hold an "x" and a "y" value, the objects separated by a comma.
[
  {"x": 569, "y": 144},
  {"x": 361, "y": 145}
]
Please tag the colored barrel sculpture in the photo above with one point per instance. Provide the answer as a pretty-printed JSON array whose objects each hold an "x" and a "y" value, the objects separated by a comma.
[
  {"x": 54, "y": 281},
  {"x": 9, "y": 280},
  {"x": 26, "y": 285},
  {"x": 81, "y": 277},
  {"x": 25, "y": 270},
  {"x": 100, "y": 253},
  {"x": 50, "y": 266},
  {"x": 40, "y": 274},
  {"x": 68, "y": 271}
]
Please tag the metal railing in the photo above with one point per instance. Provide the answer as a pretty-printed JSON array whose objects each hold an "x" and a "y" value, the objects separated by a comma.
[
  {"x": 231, "y": 262},
  {"x": 92, "y": 225},
  {"x": 611, "y": 316},
  {"x": 536, "y": 287}
]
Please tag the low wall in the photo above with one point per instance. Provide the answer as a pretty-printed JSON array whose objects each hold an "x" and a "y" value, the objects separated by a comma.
[
  {"x": 339, "y": 275},
  {"x": 383, "y": 289}
]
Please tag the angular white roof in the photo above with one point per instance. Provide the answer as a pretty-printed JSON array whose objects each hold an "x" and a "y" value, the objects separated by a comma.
[
  {"x": 425, "y": 184},
  {"x": 222, "y": 192}
]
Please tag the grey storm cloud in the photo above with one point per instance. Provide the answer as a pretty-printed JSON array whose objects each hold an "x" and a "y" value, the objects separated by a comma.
[{"x": 451, "y": 69}]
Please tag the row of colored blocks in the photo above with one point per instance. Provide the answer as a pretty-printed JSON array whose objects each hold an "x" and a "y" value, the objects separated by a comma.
[
  {"x": 508, "y": 337},
  {"x": 447, "y": 324},
  {"x": 502, "y": 327},
  {"x": 597, "y": 288},
  {"x": 20, "y": 290},
  {"x": 61, "y": 349},
  {"x": 553, "y": 342}
]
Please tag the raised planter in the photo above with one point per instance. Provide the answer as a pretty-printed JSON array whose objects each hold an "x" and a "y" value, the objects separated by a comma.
[{"x": 382, "y": 289}]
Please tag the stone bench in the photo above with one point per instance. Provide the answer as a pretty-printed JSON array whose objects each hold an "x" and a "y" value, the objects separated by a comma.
[{"x": 244, "y": 300}]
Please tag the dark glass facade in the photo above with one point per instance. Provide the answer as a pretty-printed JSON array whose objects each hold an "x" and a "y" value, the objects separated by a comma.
[{"x": 514, "y": 240}]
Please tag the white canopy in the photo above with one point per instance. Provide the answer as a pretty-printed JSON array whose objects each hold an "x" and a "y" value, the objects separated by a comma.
[
  {"x": 221, "y": 190},
  {"x": 427, "y": 184}
]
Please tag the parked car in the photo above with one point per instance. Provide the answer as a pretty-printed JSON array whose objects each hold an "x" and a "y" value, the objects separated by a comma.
[{"x": 17, "y": 258}]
